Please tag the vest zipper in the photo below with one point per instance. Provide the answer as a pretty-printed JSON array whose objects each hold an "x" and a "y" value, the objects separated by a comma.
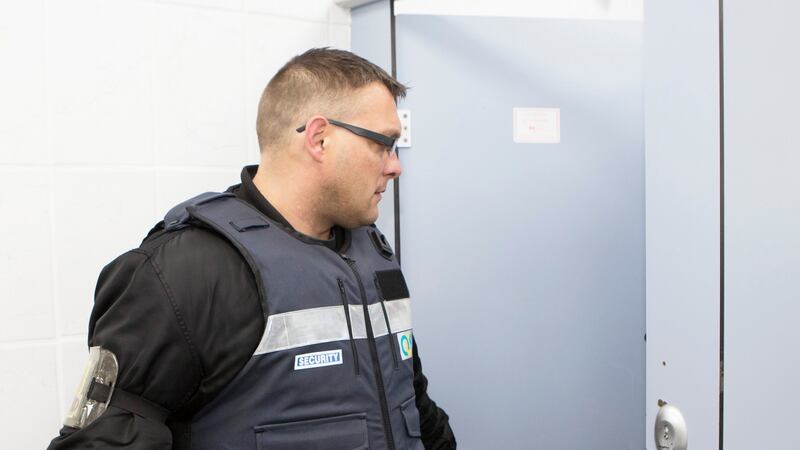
[
  {"x": 387, "y": 425},
  {"x": 346, "y": 307},
  {"x": 386, "y": 318}
]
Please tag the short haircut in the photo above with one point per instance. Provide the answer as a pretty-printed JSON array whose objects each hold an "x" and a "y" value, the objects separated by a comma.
[{"x": 319, "y": 81}]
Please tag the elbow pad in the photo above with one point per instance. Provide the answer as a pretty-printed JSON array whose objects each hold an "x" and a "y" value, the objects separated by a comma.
[{"x": 97, "y": 390}]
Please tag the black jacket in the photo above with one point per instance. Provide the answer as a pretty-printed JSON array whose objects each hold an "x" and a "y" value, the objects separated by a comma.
[{"x": 182, "y": 315}]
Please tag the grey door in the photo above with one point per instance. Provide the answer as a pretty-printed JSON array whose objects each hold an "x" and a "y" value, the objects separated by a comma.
[
  {"x": 526, "y": 260},
  {"x": 762, "y": 219}
]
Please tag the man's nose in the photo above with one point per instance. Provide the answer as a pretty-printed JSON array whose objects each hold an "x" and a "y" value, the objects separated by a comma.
[{"x": 393, "y": 167}]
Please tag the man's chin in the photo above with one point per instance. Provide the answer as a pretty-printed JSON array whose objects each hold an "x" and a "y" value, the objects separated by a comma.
[
  {"x": 352, "y": 222},
  {"x": 369, "y": 219}
]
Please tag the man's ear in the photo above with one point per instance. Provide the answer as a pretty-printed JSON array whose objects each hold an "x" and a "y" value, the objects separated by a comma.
[{"x": 314, "y": 137}]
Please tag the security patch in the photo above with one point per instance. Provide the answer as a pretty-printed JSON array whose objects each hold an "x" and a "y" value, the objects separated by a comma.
[
  {"x": 317, "y": 359},
  {"x": 406, "y": 342}
]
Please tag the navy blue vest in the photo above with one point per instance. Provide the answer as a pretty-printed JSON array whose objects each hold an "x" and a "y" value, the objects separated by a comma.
[{"x": 334, "y": 368}]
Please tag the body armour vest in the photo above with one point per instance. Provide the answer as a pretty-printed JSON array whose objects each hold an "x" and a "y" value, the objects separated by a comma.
[{"x": 334, "y": 367}]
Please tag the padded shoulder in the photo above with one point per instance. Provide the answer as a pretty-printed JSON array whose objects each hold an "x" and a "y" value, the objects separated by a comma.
[{"x": 179, "y": 215}]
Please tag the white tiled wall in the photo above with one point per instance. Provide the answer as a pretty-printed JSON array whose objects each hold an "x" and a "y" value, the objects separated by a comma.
[
  {"x": 22, "y": 72},
  {"x": 111, "y": 111},
  {"x": 29, "y": 394},
  {"x": 26, "y": 266}
]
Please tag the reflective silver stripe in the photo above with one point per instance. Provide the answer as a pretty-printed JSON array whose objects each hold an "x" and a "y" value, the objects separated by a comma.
[
  {"x": 399, "y": 313},
  {"x": 327, "y": 324}
]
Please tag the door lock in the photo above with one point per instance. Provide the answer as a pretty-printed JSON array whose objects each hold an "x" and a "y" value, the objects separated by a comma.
[{"x": 670, "y": 430}]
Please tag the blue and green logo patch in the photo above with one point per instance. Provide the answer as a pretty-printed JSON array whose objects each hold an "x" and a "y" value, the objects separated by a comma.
[{"x": 406, "y": 342}]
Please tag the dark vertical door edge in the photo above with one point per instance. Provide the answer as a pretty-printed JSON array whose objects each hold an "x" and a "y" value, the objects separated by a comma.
[
  {"x": 721, "y": 225},
  {"x": 396, "y": 180}
]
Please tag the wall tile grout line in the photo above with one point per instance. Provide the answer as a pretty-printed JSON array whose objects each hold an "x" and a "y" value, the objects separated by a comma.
[
  {"x": 203, "y": 7},
  {"x": 329, "y": 24},
  {"x": 120, "y": 167},
  {"x": 243, "y": 45},
  {"x": 153, "y": 118},
  {"x": 248, "y": 11},
  {"x": 289, "y": 18},
  {"x": 52, "y": 199},
  {"x": 27, "y": 342},
  {"x": 24, "y": 342}
]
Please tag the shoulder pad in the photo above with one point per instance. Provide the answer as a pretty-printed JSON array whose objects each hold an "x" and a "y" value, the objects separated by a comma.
[{"x": 178, "y": 217}]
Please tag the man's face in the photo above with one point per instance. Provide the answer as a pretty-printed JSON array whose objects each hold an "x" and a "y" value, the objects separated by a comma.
[{"x": 362, "y": 167}]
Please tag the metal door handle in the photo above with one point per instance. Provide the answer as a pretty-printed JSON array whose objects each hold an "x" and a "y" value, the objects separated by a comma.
[{"x": 670, "y": 429}]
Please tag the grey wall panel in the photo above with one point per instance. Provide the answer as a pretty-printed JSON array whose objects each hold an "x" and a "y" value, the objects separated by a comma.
[
  {"x": 526, "y": 261},
  {"x": 371, "y": 38},
  {"x": 371, "y": 33},
  {"x": 762, "y": 224},
  {"x": 683, "y": 214}
]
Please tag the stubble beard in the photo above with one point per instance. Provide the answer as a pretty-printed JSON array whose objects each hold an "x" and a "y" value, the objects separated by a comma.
[{"x": 338, "y": 206}]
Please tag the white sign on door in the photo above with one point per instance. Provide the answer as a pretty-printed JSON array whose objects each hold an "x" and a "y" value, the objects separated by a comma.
[{"x": 537, "y": 125}]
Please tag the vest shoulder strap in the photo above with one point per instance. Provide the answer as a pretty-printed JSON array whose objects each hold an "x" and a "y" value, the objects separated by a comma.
[
  {"x": 227, "y": 215},
  {"x": 178, "y": 217}
]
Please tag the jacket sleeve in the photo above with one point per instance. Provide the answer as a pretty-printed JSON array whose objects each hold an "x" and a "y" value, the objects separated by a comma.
[
  {"x": 134, "y": 317},
  {"x": 182, "y": 315},
  {"x": 434, "y": 422}
]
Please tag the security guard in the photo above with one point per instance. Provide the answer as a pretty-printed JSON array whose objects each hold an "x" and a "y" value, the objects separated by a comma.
[{"x": 247, "y": 323}]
